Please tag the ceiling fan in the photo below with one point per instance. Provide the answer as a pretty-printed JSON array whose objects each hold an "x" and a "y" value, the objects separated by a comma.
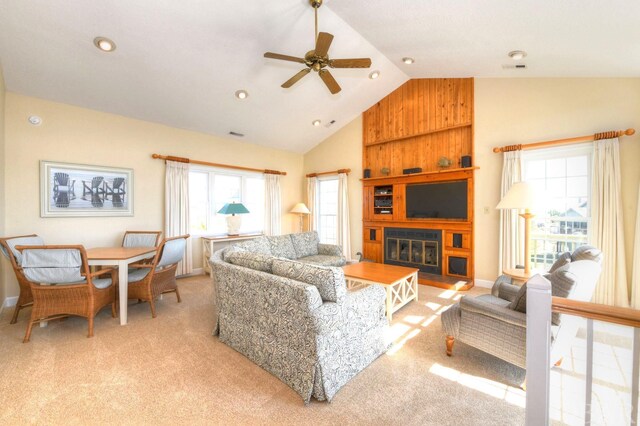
[{"x": 318, "y": 60}]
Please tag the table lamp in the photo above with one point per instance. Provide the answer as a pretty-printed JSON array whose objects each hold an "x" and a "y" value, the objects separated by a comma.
[
  {"x": 233, "y": 221},
  {"x": 301, "y": 209},
  {"x": 522, "y": 195}
]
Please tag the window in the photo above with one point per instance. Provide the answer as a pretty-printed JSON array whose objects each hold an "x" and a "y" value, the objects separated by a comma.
[
  {"x": 562, "y": 221},
  {"x": 327, "y": 208},
  {"x": 210, "y": 189}
]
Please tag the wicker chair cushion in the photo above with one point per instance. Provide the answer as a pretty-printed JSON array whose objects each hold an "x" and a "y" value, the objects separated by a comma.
[
  {"x": 305, "y": 244},
  {"x": 139, "y": 240},
  {"x": 52, "y": 266},
  {"x": 173, "y": 252},
  {"x": 247, "y": 259},
  {"x": 282, "y": 246},
  {"x": 137, "y": 274},
  {"x": 21, "y": 241},
  {"x": 329, "y": 281},
  {"x": 561, "y": 261},
  {"x": 101, "y": 283},
  {"x": 587, "y": 252}
]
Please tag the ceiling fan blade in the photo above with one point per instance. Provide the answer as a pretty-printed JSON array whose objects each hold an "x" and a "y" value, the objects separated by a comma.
[
  {"x": 350, "y": 63},
  {"x": 283, "y": 57},
  {"x": 331, "y": 82},
  {"x": 293, "y": 80},
  {"x": 323, "y": 43}
]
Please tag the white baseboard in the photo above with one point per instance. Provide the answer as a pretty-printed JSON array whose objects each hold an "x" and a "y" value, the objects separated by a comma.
[
  {"x": 483, "y": 283},
  {"x": 9, "y": 302},
  {"x": 197, "y": 271}
]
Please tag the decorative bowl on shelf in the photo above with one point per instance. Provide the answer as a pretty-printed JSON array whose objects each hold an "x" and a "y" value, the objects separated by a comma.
[
  {"x": 444, "y": 162},
  {"x": 385, "y": 171}
]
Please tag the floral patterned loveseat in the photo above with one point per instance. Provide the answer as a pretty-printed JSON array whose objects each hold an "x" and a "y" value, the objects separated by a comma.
[{"x": 297, "y": 320}]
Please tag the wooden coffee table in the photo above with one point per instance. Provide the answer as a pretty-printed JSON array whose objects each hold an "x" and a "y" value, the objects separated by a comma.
[{"x": 400, "y": 283}]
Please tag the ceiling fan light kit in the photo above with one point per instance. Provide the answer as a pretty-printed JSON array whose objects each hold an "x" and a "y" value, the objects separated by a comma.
[{"x": 318, "y": 58}]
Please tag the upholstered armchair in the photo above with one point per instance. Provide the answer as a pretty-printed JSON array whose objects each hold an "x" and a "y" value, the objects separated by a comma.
[
  {"x": 496, "y": 323},
  {"x": 8, "y": 247}
]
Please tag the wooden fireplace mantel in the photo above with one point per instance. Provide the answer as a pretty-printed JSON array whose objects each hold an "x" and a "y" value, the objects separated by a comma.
[{"x": 415, "y": 126}]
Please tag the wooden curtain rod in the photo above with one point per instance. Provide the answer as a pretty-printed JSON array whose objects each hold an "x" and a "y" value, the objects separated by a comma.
[
  {"x": 597, "y": 136},
  {"x": 206, "y": 163},
  {"x": 333, "y": 172}
]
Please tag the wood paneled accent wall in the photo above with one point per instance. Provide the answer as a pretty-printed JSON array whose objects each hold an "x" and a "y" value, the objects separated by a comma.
[{"x": 414, "y": 126}]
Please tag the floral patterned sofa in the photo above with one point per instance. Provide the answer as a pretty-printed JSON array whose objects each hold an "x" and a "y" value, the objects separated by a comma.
[
  {"x": 304, "y": 247},
  {"x": 297, "y": 320}
]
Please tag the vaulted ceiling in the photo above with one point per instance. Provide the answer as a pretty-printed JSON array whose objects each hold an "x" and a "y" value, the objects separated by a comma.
[{"x": 180, "y": 63}]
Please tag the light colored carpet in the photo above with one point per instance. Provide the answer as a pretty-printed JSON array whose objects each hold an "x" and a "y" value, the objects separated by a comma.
[{"x": 170, "y": 370}]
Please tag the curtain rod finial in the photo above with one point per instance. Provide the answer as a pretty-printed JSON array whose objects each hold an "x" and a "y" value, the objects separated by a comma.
[{"x": 630, "y": 132}]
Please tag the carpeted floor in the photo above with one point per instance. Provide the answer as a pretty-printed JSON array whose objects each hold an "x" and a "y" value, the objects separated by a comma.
[{"x": 170, "y": 370}]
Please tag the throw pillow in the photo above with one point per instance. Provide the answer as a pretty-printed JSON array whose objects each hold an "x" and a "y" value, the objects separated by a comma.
[
  {"x": 520, "y": 302},
  {"x": 247, "y": 259},
  {"x": 561, "y": 261},
  {"x": 329, "y": 281},
  {"x": 562, "y": 283},
  {"x": 281, "y": 246},
  {"x": 305, "y": 244},
  {"x": 587, "y": 253}
]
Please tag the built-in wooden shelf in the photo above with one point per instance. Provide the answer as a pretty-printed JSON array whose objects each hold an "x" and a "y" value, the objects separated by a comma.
[{"x": 419, "y": 174}]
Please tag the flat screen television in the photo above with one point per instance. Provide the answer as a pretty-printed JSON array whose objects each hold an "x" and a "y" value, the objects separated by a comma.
[{"x": 442, "y": 200}]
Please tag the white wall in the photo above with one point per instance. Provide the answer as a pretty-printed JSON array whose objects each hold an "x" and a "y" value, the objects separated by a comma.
[
  {"x": 78, "y": 135},
  {"x": 341, "y": 151},
  {"x": 3, "y": 263}
]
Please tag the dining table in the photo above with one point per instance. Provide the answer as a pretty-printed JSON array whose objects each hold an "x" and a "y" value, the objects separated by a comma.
[{"x": 121, "y": 257}]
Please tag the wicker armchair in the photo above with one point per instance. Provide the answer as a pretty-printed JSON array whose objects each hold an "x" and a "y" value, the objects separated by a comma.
[
  {"x": 8, "y": 247},
  {"x": 62, "y": 285},
  {"x": 147, "y": 281}
]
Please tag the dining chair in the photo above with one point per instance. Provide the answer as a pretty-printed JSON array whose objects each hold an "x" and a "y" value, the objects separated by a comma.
[
  {"x": 62, "y": 285},
  {"x": 147, "y": 281},
  {"x": 141, "y": 238},
  {"x": 8, "y": 248}
]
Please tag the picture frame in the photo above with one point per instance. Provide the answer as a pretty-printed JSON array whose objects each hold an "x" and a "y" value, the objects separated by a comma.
[{"x": 81, "y": 190}]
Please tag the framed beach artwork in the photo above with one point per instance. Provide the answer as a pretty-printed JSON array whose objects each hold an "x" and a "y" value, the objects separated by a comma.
[{"x": 74, "y": 190}]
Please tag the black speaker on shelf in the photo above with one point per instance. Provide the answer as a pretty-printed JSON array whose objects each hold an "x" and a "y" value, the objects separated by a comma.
[
  {"x": 458, "y": 266},
  {"x": 457, "y": 240},
  {"x": 367, "y": 173},
  {"x": 465, "y": 161}
]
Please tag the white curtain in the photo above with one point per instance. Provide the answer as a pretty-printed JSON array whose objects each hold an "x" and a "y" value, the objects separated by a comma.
[
  {"x": 272, "y": 204},
  {"x": 635, "y": 278},
  {"x": 511, "y": 240},
  {"x": 606, "y": 223},
  {"x": 343, "y": 231},
  {"x": 176, "y": 208},
  {"x": 312, "y": 187}
]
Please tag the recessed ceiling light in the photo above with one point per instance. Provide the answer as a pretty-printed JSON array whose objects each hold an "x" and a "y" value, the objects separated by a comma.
[
  {"x": 104, "y": 44},
  {"x": 242, "y": 94},
  {"x": 407, "y": 60},
  {"x": 316, "y": 123},
  {"x": 35, "y": 120},
  {"x": 374, "y": 74},
  {"x": 517, "y": 55}
]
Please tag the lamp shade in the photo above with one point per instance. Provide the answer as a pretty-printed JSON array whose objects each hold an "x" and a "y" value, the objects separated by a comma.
[
  {"x": 522, "y": 195},
  {"x": 300, "y": 208},
  {"x": 233, "y": 208}
]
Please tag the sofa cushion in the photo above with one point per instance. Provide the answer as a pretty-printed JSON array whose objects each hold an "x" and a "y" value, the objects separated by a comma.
[
  {"x": 587, "y": 252},
  {"x": 561, "y": 261},
  {"x": 282, "y": 246},
  {"x": 252, "y": 260},
  {"x": 519, "y": 303},
  {"x": 329, "y": 281},
  {"x": 562, "y": 283},
  {"x": 323, "y": 260},
  {"x": 305, "y": 243},
  {"x": 256, "y": 245}
]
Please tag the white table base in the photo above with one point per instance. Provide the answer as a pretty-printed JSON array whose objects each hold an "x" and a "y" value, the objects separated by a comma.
[{"x": 399, "y": 293}]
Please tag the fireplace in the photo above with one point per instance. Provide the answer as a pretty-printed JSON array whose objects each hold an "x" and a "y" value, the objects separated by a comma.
[{"x": 418, "y": 248}]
